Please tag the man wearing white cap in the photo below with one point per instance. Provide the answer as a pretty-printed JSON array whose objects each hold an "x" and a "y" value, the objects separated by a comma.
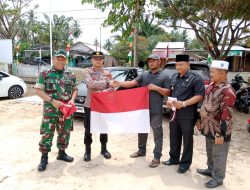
[{"x": 216, "y": 123}]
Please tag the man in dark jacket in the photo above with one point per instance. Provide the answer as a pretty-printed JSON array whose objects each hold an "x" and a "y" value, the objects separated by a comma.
[{"x": 188, "y": 88}]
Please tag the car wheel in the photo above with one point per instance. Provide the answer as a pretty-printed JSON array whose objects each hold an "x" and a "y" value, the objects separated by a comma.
[{"x": 15, "y": 92}]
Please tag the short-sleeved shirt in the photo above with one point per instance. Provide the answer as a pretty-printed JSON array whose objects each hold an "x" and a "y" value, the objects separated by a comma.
[
  {"x": 155, "y": 98},
  {"x": 96, "y": 80},
  {"x": 57, "y": 84},
  {"x": 184, "y": 88}
]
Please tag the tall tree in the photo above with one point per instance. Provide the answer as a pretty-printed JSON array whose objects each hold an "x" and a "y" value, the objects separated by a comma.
[
  {"x": 215, "y": 23},
  {"x": 10, "y": 15},
  {"x": 28, "y": 27},
  {"x": 125, "y": 15},
  {"x": 120, "y": 50},
  {"x": 195, "y": 44},
  {"x": 148, "y": 27},
  {"x": 108, "y": 44},
  {"x": 179, "y": 36},
  {"x": 61, "y": 28}
]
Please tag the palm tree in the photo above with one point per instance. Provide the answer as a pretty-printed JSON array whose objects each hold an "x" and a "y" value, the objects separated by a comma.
[
  {"x": 148, "y": 28},
  {"x": 61, "y": 27},
  {"x": 108, "y": 44}
]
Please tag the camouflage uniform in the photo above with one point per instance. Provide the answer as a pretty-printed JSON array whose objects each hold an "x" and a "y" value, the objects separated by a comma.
[{"x": 59, "y": 86}]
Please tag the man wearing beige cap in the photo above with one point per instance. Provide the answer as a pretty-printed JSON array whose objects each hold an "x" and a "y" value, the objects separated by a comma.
[{"x": 216, "y": 123}]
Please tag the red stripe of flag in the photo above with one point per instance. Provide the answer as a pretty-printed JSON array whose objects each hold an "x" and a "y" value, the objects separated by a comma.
[{"x": 120, "y": 101}]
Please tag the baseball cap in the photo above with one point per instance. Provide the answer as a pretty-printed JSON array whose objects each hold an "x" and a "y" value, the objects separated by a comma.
[
  {"x": 97, "y": 54},
  {"x": 220, "y": 64},
  {"x": 153, "y": 56},
  {"x": 61, "y": 53}
]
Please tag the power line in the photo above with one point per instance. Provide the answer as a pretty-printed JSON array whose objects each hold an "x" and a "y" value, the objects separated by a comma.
[
  {"x": 94, "y": 18},
  {"x": 76, "y": 10}
]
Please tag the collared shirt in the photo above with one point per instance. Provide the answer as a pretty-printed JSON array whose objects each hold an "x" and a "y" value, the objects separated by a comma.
[
  {"x": 155, "y": 98},
  {"x": 185, "y": 87},
  {"x": 96, "y": 80},
  {"x": 217, "y": 109},
  {"x": 58, "y": 84}
]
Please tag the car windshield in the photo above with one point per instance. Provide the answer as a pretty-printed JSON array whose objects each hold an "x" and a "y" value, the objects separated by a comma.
[
  {"x": 119, "y": 75},
  {"x": 202, "y": 70}
]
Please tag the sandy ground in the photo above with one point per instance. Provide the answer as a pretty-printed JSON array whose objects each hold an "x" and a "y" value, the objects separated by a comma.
[{"x": 19, "y": 157}]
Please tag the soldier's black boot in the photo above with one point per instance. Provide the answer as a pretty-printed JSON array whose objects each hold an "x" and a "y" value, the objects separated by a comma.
[
  {"x": 43, "y": 163},
  {"x": 105, "y": 152},
  {"x": 63, "y": 156},
  {"x": 87, "y": 154}
]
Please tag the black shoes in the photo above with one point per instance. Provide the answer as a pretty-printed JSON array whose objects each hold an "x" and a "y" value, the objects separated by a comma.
[
  {"x": 87, "y": 157},
  {"x": 63, "y": 156},
  {"x": 169, "y": 162},
  {"x": 182, "y": 169},
  {"x": 204, "y": 172},
  {"x": 87, "y": 154},
  {"x": 43, "y": 163},
  {"x": 213, "y": 183},
  {"x": 105, "y": 154}
]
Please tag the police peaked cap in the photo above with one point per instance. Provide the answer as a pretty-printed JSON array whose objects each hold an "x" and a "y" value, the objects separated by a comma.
[
  {"x": 97, "y": 54},
  {"x": 182, "y": 57}
]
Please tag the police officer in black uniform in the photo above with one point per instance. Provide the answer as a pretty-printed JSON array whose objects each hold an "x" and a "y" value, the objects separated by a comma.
[{"x": 188, "y": 88}]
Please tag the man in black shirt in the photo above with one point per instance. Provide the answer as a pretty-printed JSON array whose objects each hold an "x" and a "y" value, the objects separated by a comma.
[
  {"x": 188, "y": 88},
  {"x": 156, "y": 81}
]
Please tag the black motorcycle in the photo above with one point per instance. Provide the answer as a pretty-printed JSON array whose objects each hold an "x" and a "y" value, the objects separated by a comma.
[{"x": 242, "y": 93}]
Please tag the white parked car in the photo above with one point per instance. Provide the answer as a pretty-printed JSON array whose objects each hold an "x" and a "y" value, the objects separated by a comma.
[{"x": 11, "y": 86}]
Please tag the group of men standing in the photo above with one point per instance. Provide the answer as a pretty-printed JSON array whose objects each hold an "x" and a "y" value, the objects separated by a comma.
[{"x": 57, "y": 85}]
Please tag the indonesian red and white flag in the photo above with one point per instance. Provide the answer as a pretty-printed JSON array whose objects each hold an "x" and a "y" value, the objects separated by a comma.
[{"x": 123, "y": 111}]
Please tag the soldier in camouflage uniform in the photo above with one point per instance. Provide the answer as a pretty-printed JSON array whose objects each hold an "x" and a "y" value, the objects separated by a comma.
[{"x": 55, "y": 86}]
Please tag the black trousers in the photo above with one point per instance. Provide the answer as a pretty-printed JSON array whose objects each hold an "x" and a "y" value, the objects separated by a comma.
[
  {"x": 87, "y": 134},
  {"x": 181, "y": 129}
]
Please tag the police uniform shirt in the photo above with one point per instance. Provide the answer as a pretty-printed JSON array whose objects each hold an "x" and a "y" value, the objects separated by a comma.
[
  {"x": 184, "y": 88},
  {"x": 155, "y": 98}
]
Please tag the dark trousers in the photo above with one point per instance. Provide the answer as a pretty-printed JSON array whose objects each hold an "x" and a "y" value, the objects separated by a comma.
[
  {"x": 88, "y": 135},
  {"x": 181, "y": 128},
  {"x": 156, "y": 125}
]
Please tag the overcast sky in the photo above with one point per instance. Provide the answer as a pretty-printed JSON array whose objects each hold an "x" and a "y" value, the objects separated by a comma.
[{"x": 89, "y": 18}]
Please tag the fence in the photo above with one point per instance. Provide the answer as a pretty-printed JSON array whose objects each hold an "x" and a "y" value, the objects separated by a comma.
[{"x": 32, "y": 71}]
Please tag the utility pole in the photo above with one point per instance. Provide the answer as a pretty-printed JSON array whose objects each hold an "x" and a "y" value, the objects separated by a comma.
[
  {"x": 100, "y": 38},
  {"x": 50, "y": 34}
]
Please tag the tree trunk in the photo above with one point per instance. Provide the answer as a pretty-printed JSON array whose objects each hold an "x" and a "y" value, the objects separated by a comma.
[{"x": 135, "y": 46}]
